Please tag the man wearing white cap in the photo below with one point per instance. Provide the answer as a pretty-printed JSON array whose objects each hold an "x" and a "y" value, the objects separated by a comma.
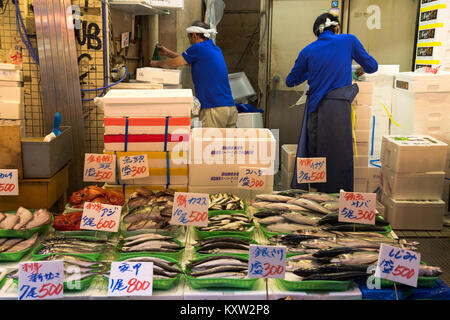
[{"x": 209, "y": 74}]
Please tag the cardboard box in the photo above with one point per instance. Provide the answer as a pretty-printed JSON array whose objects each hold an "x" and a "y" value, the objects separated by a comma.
[
  {"x": 221, "y": 175},
  {"x": 288, "y": 156},
  {"x": 11, "y": 110},
  {"x": 361, "y": 172},
  {"x": 147, "y": 125},
  {"x": 362, "y": 135},
  {"x": 362, "y": 148},
  {"x": 247, "y": 147},
  {"x": 148, "y": 103},
  {"x": 415, "y": 215},
  {"x": 413, "y": 154},
  {"x": 361, "y": 161},
  {"x": 360, "y": 185},
  {"x": 38, "y": 193},
  {"x": 248, "y": 195},
  {"x": 363, "y": 99},
  {"x": 158, "y": 75},
  {"x": 286, "y": 178},
  {"x": 11, "y": 95},
  {"x": 362, "y": 112},
  {"x": 363, "y": 124},
  {"x": 412, "y": 186},
  {"x": 11, "y": 148},
  {"x": 364, "y": 87},
  {"x": 9, "y": 72},
  {"x": 129, "y": 189}
]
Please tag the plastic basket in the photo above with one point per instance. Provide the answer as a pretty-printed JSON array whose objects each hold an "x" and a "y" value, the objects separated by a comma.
[
  {"x": 126, "y": 255},
  {"x": 221, "y": 283},
  {"x": 230, "y": 211},
  {"x": 243, "y": 255},
  {"x": 314, "y": 285},
  {"x": 206, "y": 234},
  {"x": 6, "y": 233}
]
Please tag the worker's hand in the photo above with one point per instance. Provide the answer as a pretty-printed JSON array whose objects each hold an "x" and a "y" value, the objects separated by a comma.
[
  {"x": 359, "y": 72},
  {"x": 154, "y": 64},
  {"x": 163, "y": 51}
]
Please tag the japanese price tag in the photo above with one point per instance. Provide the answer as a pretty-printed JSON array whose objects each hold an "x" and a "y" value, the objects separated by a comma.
[
  {"x": 100, "y": 217},
  {"x": 9, "y": 183},
  {"x": 99, "y": 167},
  {"x": 311, "y": 170},
  {"x": 131, "y": 279},
  {"x": 134, "y": 167},
  {"x": 41, "y": 280},
  {"x": 398, "y": 265},
  {"x": 267, "y": 261},
  {"x": 251, "y": 178},
  {"x": 190, "y": 209},
  {"x": 357, "y": 207}
]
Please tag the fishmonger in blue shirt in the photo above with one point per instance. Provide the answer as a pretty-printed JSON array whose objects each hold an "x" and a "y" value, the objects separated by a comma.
[{"x": 327, "y": 127}]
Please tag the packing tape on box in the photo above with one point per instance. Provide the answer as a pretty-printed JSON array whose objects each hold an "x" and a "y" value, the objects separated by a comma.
[
  {"x": 126, "y": 135},
  {"x": 165, "y": 134},
  {"x": 168, "y": 169}
]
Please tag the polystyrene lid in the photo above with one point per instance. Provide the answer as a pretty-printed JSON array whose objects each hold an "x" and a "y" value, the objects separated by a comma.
[
  {"x": 414, "y": 76},
  {"x": 153, "y": 96},
  {"x": 415, "y": 140}
]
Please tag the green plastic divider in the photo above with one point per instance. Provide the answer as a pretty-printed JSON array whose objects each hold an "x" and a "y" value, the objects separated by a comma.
[{"x": 314, "y": 285}]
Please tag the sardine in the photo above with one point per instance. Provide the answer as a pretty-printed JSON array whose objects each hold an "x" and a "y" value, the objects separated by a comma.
[
  {"x": 23, "y": 245},
  {"x": 273, "y": 198},
  {"x": 24, "y": 217},
  {"x": 9, "y": 221},
  {"x": 310, "y": 204}
]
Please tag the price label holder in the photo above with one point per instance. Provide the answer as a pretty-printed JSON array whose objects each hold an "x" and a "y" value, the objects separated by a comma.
[
  {"x": 134, "y": 167},
  {"x": 356, "y": 207},
  {"x": 100, "y": 217},
  {"x": 99, "y": 167},
  {"x": 398, "y": 265},
  {"x": 266, "y": 262},
  {"x": 190, "y": 209},
  {"x": 9, "y": 182},
  {"x": 41, "y": 280},
  {"x": 131, "y": 279},
  {"x": 311, "y": 170}
]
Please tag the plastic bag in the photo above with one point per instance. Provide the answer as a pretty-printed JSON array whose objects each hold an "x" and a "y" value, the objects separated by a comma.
[{"x": 195, "y": 108}]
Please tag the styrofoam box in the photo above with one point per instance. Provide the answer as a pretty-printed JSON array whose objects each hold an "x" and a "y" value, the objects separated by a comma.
[
  {"x": 147, "y": 146},
  {"x": 250, "y": 120},
  {"x": 221, "y": 175},
  {"x": 286, "y": 178},
  {"x": 8, "y": 72},
  {"x": 361, "y": 161},
  {"x": 362, "y": 148},
  {"x": 415, "y": 215},
  {"x": 427, "y": 112},
  {"x": 364, "y": 86},
  {"x": 419, "y": 153},
  {"x": 362, "y": 135},
  {"x": 247, "y": 195},
  {"x": 383, "y": 70},
  {"x": 361, "y": 172},
  {"x": 363, "y": 99},
  {"x": 413, "y": 186},
  {"x": 139, "y": 85},
  {"x": 148, "y": 103},
  {"x": 423, "y": 82},
  {"x": 130, "y": 189},
  {"x": 12, "y": 111},
  {"x": 168, "y": 4},
  {"x": 147, "y": 125},
  {"x": 232, "y": 146},
  {"x": 158, "y": 75},
  {"x": 359, "y": 185},
  {"x": 241, "y": 88},
  {"x": 288, "y": 156},
  {"x": 12, "y": 95},
  {"x": 434, "y": 13}
]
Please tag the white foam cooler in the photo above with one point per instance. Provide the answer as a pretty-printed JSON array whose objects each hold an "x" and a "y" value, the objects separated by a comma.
[
  {"x": 413, "y": 154},
  {"x": 159, "y": 75},
  {"x": 10, "y": 72},
  {"x": 412, "y": 186},
  {"x": 250, "y": 120},
  {"x": 414, "y": 215}
]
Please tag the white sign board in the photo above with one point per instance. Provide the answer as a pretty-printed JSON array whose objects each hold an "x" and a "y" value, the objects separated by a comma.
[
  {"x": 267, "y": 261},
  {"x": 131, "y": 279},
  {"x": 40, "y": 280}
]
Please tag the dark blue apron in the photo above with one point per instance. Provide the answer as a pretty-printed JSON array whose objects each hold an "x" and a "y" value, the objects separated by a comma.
[{"x": 327, "y": 132}]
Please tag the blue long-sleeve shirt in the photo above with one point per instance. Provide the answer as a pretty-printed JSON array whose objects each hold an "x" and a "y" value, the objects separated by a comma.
[{"x": 327, "y": 65}]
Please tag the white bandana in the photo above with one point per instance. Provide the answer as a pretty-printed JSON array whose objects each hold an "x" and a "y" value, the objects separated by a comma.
[
  {"x": 207, "y": 32},
  {"x": 328, "y": 23}
]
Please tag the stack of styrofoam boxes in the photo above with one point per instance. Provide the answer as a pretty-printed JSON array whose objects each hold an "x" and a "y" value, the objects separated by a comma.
[
  {"x": 421, "y": 105},
  {"x": 217, "y": 154},
  {"x": 169, "y": 78},
  {"x": 11, "y": 96},
  {"x": 412, "y": 181},
  {"x": 433, "y": 39},
  {"x": 155, "y": 123},
  {"x": 167, "y": 4},
  {"x": 363, "y": 110},
  {"x": 288, "y": 159}
]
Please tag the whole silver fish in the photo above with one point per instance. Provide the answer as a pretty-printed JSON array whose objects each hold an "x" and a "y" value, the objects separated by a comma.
[
  {"x": 310, "y": 204},
  {"x": 24, "y": 217},
  {"x": 231, "y": 275},
  {"x": 300, "y": 219},
  {"x": 219, "y": 269},
  {"x": 330, "y": 205},
  {"x": 219, "y": 262},
  {"x": 74, "y": 260},
  {"x": 319, "y": 197},
  {"x": 288, "y": 227},
  {"x": 152, "y": 245},
  {"x": 272, "y": 220},
  {"x": 285, "y": 207},
  {"x": 356, "y": 258},
  {"x": 273, "y": 198},
  {"x": 260, "y": 204},
  {"x": 147, "y": 236}
]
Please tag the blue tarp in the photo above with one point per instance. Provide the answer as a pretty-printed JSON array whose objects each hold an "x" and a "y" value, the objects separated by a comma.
[{"x": 247, "y": 108}]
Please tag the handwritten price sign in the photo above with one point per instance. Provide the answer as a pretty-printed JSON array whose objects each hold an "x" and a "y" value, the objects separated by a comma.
[
  {"x": 41, "y": 280},
  {"x": 251, "y": 178},
  {"x": 9, "y": 185},
  {"x": 267, "y": 261},
  {"x": 100, "y": 217},
  {"x": 190, "y": 209},
  {"x": 99, "y": 167},
  {"x": 357, "y": 207},
  {"x": 131, "y": 279},
  {"x": 134, "y": 167},
  {"x": 311, "y": 170},
  {"x": 399, "y": 265}
]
